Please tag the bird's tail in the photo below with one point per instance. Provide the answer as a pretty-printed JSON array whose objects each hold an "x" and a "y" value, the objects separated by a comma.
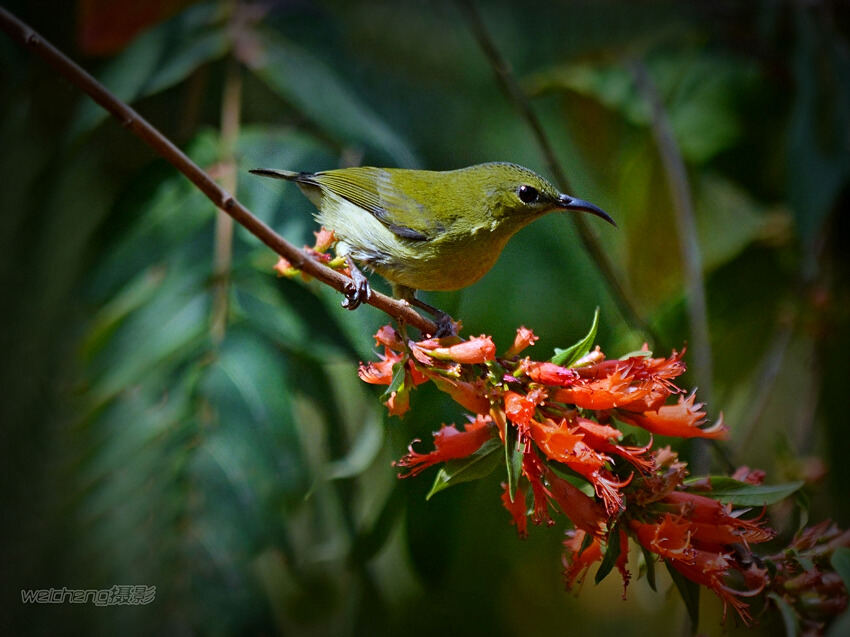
[{"x": 277, "y": 174}]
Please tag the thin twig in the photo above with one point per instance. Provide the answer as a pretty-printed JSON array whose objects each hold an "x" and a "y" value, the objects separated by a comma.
[
  {"x": 683, "y": 209},
  {"x": 136, "y": 124},
  {"x": 516, "y": 96},
  {"x": 231, "y": 112}
]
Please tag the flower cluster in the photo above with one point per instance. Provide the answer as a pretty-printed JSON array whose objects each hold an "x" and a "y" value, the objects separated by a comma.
[{"x": 560, "y": 429}]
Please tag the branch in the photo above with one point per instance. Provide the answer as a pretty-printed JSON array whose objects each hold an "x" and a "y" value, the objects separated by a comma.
[
  {"x": 515, "y": 94},
  {"x": 223, "y": 200},
  {"x": 683, "y": 208}
]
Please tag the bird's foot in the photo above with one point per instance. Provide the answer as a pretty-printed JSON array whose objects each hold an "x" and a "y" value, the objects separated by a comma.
[
  {"x": 357, "y": 290},
  {"x": 446, "y": 325}
]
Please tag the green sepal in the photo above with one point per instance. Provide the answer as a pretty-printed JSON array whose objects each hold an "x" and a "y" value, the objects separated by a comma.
[
  {"x": 612, "y": 552},
  {"x": 730, "y": 491},
  {"x": 690, "y": 594},
  {"x": 568, "y": 357},
  {"x": 478, "y": 465}
]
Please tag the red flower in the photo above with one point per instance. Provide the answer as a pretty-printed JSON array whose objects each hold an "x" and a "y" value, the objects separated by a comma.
[
  {"x": 670, "y": 538},
  {"x": 380, "y": 373},
  {"x": 611, "y": 391},
  {"x": 470, "y": 395},
  {"x": 324, "y": 239},
  {"x": 479, "y": 349},
  {"x": 533, "y": 469},
  {"x": 549, "y": 373},
  {"x": 583, "y": 511},
  {"x": 450, "y": 444},
  {"x": 523, "y": 339},
  {"x": 682, "y": 420},
  {"x": 577, "y": 561},
  {"x": 389, "y": 338},
  {"x": 517, "y": 509}
]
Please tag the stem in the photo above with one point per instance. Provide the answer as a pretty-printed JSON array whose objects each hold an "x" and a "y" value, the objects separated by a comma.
[
  {"x": 516, "y": 95},
  {"x": 231, "y": 110},
  {"x": 140, "y": 127},
  {"x": 680, "y": 192}
]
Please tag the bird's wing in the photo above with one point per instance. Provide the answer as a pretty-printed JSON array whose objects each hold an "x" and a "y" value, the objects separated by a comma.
[{"x": 372, "y": 189}]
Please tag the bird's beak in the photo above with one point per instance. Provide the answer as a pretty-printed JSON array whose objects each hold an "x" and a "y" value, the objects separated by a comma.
[{"x": 571, "y": 203}]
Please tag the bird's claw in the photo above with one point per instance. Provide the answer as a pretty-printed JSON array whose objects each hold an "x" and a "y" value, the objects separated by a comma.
[
  {"x": 446, "y": 325},
  {"x": 356, "y": 291}
]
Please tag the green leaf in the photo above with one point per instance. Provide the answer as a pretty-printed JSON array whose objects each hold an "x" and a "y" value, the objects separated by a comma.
[
  {"x": 690, "y": 594},
  {"x": 731, "y": 491},
  {"x": 479, "y": 465},
  {"x": 513, "y": 458},
  {"x": 612, "y": 552},
  {"x": 159, "y": 59},
  {"x": 789, "y": 615},
  {"x": 567, "y": 357},
  {"x": 313, "y": 88},
  {"x": 397, "y": 384},
  {"x": 840, "y": 561},
  {"x": 649, "y": 561}
]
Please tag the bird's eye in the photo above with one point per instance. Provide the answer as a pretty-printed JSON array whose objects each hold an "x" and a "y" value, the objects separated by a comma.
[{"x": 527, "y": 194}]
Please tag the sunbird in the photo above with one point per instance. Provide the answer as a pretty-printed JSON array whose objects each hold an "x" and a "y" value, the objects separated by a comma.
[{"x": 423, "y": 229}]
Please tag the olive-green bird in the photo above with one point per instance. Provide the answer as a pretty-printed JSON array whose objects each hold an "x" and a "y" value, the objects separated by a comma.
[{"x": 427, "y": 230}]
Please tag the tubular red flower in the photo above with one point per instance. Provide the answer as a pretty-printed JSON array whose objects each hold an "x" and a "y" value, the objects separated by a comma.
[
  {"x": 606, "y": 393},
  {"x": 682, "y": 420},
  {"x": 324, "y": 239},
  {"x": 398, "y": 403},
  {"x": 714, "y": 523},
  {"x": 473, "y": 396},
  {"x": 710, "y": 569},
  {"x": 583, "y": 511},
  {"x": 533, "y": 469},
  {"x": 517, "y": 508},
  {"x": 380, "y": 373},
  {"x": 550, "y": 374},
  {"x": 670, "y": 537},
  {"x": 450, "y": 444},
  {"x": 389, "y": 338},
  {"x": 577, "y": 561},
  {"x": 479, "y": 349},
  {"x": 523, "y": 339},
  {"x": 518, "y": 408}
]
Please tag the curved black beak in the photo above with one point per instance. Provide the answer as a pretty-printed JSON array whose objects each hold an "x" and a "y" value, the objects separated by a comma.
[{"x": 571, "y": 203}]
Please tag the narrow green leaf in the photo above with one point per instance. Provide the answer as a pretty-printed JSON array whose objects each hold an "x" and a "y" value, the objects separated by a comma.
[
  {"x": 399, "y": 374},
  {"x": 158, "y": 59},
  {"x": 569, "y": 356},
  {"x": 649, "y": 561},
  {"x": 612, "y": 552},
  {"x": 306, "y": 82},
  {"x": 513, "y": 458},
  {"x": 731, "y": 491},
  {"x": 690, "y": 594},
  {"x": 789, "y": 616},
  {"x": 479, "y": 465},
  {"x": 840, "y": 561}
]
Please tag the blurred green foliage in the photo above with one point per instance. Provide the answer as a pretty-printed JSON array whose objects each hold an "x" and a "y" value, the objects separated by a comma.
[{"x": 249, "y": 478}]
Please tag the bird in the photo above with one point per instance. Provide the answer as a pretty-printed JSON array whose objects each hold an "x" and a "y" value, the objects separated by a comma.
[{"x": 424, "y": 229}]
